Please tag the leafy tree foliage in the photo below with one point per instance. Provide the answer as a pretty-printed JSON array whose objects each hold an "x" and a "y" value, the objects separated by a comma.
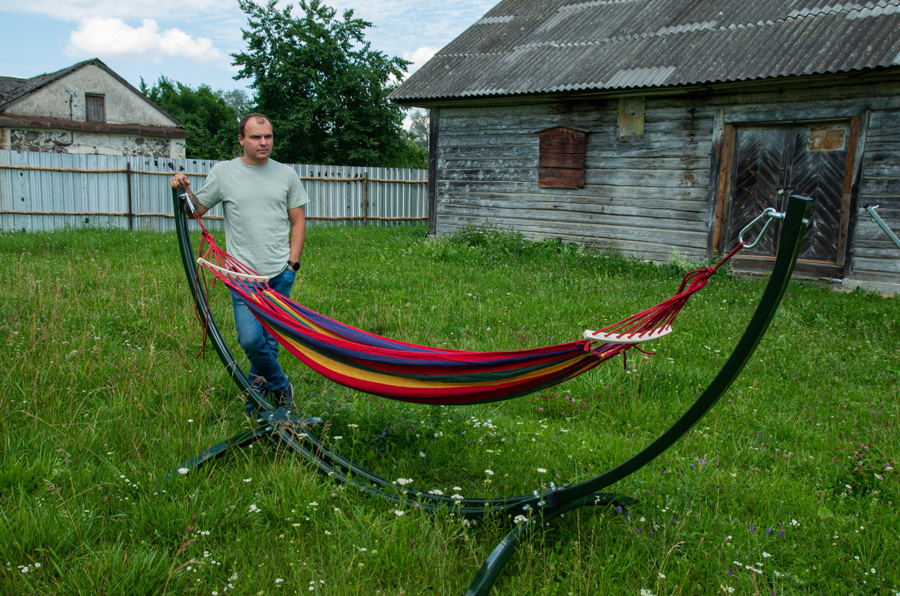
[
  {"x": 408, "y": 155},
  {"x": 420, "y": 128},
  {"x": 238, "y": 100},
  {"x": 324, "y": 87},
  {"x": 206, "y": 115}
]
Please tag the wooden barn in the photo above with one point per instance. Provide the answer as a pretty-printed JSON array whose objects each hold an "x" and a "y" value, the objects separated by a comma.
[{"x": 654, "y": 126}]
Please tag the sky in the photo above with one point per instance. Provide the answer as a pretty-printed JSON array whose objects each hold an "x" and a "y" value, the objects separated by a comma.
[{"x": 190, "y": 41}]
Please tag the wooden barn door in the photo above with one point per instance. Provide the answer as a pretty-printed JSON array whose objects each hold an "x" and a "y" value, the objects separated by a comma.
[{"x": 772, "y": 162}]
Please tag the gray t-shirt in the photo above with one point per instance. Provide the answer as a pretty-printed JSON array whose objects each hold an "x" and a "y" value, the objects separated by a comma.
[{"x": 256, "y": 200}]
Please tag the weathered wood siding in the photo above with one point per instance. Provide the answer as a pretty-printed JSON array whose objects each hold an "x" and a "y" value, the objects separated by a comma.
[
  {"x": 646, "y": 197},
  {"x": 875, "y": 259},
  {"x": 651, "y": 196}
]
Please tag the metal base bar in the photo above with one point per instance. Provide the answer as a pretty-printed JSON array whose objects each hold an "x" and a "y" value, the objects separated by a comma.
[
  {"x": 884, "y": 227},
  {"x": 281, "y": 426},
  {"x": 493, "y": 565},
  {"x": 274, "y": 425}
]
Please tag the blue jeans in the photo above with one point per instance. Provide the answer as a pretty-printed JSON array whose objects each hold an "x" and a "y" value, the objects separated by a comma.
[{"x": 259, "y": 345}]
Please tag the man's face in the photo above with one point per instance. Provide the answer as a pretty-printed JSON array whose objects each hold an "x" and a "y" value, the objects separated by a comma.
[{"x": 256, "y": 141}]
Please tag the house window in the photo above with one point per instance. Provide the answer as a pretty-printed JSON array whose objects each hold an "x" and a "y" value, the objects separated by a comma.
[
  {"x": 96, "y": 107},
  {"x": 561, "y": 161}
]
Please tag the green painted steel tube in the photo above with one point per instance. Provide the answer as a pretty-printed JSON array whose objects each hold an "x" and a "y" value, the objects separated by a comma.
[
  {"x": 202, "y": 306},
  {"x": 550, "y": 505},
  {"x": 577, "y": 495},
  {"x": 795, "y": 222},
  {"x": 329, "y": 464},
  {"x": 870, "y": 209},
  {"x": 241, "y": 439},
  {"x": 484, "y": 578}
]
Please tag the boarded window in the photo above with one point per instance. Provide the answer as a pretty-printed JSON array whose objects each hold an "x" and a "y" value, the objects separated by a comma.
[
  {"x": 561, "y": 163},
  {"x": 631, "y": 119},
  {"x": 96, "y": 107}
]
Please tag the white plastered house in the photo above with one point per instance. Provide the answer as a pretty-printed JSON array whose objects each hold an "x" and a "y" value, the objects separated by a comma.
[{"x": 85, "y": 108}]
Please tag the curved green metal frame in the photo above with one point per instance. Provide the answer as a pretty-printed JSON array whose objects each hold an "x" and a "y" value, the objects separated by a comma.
[{"x": 279, "y": 425}]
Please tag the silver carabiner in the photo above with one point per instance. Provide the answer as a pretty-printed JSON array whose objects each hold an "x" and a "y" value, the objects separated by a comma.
[
  {"x": 183, "y": 195},
  {"x": 769, "y": 213}
]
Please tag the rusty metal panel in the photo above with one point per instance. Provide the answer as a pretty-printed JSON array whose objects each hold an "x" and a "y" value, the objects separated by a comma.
[
  {"x": 632, "y": 111},
  {"x": 562, "y": 157},
  {"x": 827, "y": 138}
]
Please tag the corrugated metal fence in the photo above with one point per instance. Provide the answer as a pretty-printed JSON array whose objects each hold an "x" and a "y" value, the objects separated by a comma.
[{"x": 42, "y": 192}]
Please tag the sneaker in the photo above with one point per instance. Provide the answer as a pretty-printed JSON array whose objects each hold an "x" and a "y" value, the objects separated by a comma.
[
  {"x": 286, "y": 399},
  {"x": 257, "y": 385}
]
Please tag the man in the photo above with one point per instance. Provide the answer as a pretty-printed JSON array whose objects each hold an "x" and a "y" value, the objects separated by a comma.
[{"x": 265, "y": 228}]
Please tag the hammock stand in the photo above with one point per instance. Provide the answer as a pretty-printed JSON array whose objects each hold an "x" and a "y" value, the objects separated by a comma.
[
  {"x": 870, "y": 209},
  {"x": 281, "y": 426}
]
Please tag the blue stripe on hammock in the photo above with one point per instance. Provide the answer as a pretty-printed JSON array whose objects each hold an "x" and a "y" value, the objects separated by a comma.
[{"x": 317, "y": 340}]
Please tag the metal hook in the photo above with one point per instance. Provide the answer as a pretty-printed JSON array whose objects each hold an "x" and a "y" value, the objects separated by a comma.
[
  {"x": 183, "y": 195},
  {"x": 769, "y": 213}
]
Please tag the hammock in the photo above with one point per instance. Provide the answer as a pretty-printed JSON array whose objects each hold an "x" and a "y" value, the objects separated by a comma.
[
  {"x": 408, "y": 372},
  {"x": 281, "y": 427}
]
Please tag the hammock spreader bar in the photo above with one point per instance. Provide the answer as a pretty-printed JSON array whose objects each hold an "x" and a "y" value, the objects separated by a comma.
[{"x": 279, "y": 426}]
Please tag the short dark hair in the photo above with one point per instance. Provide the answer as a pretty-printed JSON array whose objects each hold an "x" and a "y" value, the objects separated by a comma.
[{"x": 247, "y": 118}]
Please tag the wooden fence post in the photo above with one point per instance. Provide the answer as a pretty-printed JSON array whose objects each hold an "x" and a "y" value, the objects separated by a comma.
[
  {"x": 130, "y": 200},
  {"x": 366, "y": 200}
]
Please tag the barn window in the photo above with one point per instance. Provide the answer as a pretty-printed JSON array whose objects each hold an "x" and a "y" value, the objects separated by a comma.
[
  {"x": 96, "y": 107},
  {"x": 561, "y": 162}
]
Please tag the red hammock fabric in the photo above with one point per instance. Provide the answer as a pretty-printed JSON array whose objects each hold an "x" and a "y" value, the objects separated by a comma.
[{"x": 409, "y": 372}]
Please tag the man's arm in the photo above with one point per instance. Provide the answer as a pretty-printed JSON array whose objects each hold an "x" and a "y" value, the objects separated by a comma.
[
  {"x": 181, "y": 181},
  {"x": 297, "y": 215}
]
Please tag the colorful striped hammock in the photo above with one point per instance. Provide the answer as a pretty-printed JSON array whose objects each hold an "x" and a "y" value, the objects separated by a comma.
[{"x": 408, "y": 372}]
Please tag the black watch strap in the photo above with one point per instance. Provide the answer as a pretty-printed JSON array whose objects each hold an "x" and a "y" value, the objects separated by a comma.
[{"x": 294, "y": 265}]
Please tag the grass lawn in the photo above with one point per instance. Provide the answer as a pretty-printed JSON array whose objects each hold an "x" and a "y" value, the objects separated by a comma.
[{"x": 788, "y": 485}]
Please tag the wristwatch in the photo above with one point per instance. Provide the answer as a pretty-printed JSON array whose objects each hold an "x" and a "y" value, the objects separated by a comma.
[{"x": 295, "y": 265}]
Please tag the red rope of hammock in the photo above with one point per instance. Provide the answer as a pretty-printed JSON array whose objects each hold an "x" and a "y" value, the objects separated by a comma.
[
  {"x": 664, "y": 313},
  {"x": 649, "y": 320}
]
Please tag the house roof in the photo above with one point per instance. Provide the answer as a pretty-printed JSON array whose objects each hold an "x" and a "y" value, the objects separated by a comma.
[
  {"x": 545, "y": 46},
  {"x": 13, "y": 89}
]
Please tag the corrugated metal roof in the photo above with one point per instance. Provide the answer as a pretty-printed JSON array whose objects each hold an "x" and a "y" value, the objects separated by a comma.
[{"x": 542, "y": 46}]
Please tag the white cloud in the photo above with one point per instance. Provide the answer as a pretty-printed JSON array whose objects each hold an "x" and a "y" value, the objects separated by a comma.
[
  {"x": 419, "y": 57},
  {"x": 113, "y": 38},
  {"x": 75, "y": 10}
]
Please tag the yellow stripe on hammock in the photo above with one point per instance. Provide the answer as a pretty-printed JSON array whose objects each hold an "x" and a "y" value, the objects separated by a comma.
[{"x": 397, "y": 381}]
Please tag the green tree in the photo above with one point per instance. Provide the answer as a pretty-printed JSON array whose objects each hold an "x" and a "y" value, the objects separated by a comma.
[
  {"x": 204, "y": 114},
  {"x": 420, "y": 128},
  {"x": 237, "y": 100},
  {"x": 324, "y": 87}
]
